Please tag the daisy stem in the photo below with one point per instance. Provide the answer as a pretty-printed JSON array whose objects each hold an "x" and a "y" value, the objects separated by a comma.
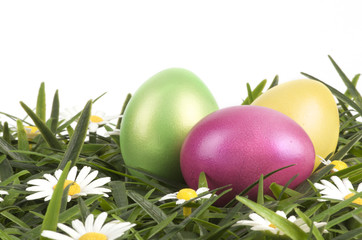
[{"x": 186, "y": 211}]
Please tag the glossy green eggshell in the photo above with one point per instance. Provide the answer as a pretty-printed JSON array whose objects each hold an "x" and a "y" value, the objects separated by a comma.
[{"x": 157, "y": 119}]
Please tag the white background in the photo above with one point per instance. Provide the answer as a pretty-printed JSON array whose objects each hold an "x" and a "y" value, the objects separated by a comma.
[{"x": 85, "y": 48}]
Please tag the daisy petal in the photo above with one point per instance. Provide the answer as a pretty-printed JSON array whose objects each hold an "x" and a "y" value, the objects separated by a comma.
[
  {"x": 83, "y": 174},
  {"x": 100, "y": 221},
  {"x": 55, "y": 235},
  {"x": 169, "y": 196},
  {"x": 70, "y": 231},
  {"x": 72, "y": 173},
  {"x": 79, "y": 226},
  {"x": 89, "y": 223}
]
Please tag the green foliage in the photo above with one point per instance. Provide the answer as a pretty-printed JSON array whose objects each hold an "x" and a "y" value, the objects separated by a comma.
[{"x": 63, "y": 143}]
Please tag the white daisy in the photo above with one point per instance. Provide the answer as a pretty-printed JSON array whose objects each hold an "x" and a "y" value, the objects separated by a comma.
[
  {"x": 186, "y": 194},
  {"x": 99, "y": 119},
  {"x": 259, "y": 223},
  {"x": 96, "y": 120},
  {"x": 3, "y": 192},
  {"x": 341, "y": 190},
  {"x": 82, "y": 185},
  {"x": 338, "y": 165},
  {"x": 302, "y": 225},
  {"x": 31, "y": 132},
  {"x": 91, "y": 229}
]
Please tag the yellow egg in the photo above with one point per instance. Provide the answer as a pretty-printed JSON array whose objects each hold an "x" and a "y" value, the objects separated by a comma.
[{"x": 312, "y": 105}]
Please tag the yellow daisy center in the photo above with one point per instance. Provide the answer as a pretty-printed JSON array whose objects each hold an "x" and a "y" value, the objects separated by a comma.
[
  {"x": 93, "y": 236},
  {"x": 31, "y": 132},
  {"x": 272, "y": 225},
  {"x": 96, "y": 119},
  {"x": 356, "y": 201},
  {"x": 73, "y": 189},
  {"x": 186, "y": 194},
  {"x": 339, "y": 165}
]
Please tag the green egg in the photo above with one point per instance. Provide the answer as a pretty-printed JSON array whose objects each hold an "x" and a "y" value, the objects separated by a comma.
[{"x": 157, "y": 119}]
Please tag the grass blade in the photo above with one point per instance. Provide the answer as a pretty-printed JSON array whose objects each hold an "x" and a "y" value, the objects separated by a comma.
[
  {"x": 40, "y": 104},
  {"x": 252, "y": 95},
  {"x": 310, "y": 224},
  {"x": 47, "y": 134},
  {"x": 119, "y": 193},
  {"x": 275, "y": 82},
  {"x": 7, "y": 149},
  {"x": 351, "y": 88},
  {"x": 54, "y": 116},
  {"x": 23, "y": 143},
  {"x": 163, "y": 224},
  {"x": 343, "y": 151},
  {"x": 118, "y": 125},
  {"x": 338, "y": 95},
  {"x": 52, "y": 214},
  {"x": 260, "y": 198},
  {"x": 152, "y": 210},
  {"x": 332, "y": 210},
  {"x": 6, "y": 170},
  {"x": 76, "y": 142}
]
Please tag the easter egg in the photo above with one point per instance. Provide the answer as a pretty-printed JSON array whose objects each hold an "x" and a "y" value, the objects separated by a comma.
[
  {"x": 157, "y": 119},
  {"x": 311, "y": 104},
  {"x": 237, "y": 144}
]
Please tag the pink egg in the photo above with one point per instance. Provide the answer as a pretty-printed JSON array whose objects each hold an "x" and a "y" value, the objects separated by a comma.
[{"x": 236, "y": 145}]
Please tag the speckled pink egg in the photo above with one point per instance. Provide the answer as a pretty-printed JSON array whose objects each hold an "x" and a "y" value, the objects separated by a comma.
[{"x": 236, "y": 145}]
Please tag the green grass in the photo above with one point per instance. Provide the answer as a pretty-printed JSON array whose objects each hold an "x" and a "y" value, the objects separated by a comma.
[{"x": 60, "y": 145}]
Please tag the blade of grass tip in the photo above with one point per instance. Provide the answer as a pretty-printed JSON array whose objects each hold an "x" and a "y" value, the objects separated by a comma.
[
  {"x": 275, "y": 82},
  {"x": 351, "y": 88},
  {"x": 84, "y": 211},
  {"x": 54, "y": 116},
  {"x": 252, "y": 95},
  {"x": 260, "y": 198},
  {"x": 52, "y": 214},
  {"x": 258, "y": 89},
  {"x": 203, "y": 180},
  {"x": 77, "y": 140},
  {"x": 126, "y": 101},
  {"x": 338, "y": 95},
  {"x": 47, "y": 134},
  {"x": 285, "y": 187},
  {"x": 289, "y": 228},
  {"x": 40, "y": 104},
  {"x": 95, "y": 100},
  {"x": 354, "y": 82},
  {"x": 6, "y": 133},
  {"x": 23, "y": 143}
]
